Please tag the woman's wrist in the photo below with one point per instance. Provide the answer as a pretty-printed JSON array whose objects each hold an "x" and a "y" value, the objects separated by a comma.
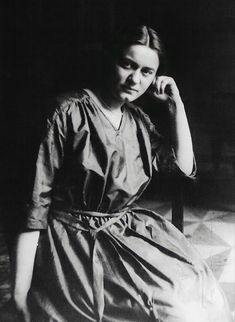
[
  {"x": 176, "y": 107},
  {"x": 21, "y": 307}
]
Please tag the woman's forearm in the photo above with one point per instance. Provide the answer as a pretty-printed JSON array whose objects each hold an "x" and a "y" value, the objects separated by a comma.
[
  {"x": 166, "y": 90},
  {"x": 181, "y": 138},
  {"x": 23, "y": 263}
]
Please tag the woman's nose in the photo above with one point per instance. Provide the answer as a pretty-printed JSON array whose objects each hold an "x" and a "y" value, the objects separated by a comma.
[{"x": 134, "y": 77}]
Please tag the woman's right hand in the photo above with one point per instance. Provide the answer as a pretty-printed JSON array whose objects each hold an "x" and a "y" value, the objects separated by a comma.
[
  {"x": 22, "y": 310},
  {"x": 22, "y": 271}
]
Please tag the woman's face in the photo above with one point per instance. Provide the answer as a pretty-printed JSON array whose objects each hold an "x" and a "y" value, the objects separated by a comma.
[{"x": 134, "y": 72}]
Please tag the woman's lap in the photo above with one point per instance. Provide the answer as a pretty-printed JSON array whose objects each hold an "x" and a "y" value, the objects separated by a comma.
[{"x": 140, "y": 268}]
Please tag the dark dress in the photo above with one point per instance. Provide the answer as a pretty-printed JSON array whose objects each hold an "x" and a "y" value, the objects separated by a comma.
[{"x": 99, "y": 257}]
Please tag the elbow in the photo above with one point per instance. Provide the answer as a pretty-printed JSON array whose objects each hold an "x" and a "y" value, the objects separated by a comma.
[
  {"x": 188, "y": 171},
  {"x": 186, "y": 165}
]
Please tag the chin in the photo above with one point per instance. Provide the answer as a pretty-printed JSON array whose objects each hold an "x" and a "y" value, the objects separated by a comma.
[{"x": 128, "y": 97}]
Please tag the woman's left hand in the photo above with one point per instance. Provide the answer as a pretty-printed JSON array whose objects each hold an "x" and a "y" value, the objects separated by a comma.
[{"x": 165, "y": 89}]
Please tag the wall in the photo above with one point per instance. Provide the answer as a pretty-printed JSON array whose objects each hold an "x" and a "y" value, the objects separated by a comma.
[{"x": 42, "y": 55}]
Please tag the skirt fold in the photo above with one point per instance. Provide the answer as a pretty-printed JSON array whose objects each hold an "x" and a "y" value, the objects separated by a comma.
[{"x": 131, "y": 266}]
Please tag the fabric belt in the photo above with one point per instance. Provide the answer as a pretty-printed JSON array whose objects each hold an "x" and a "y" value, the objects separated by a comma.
[{"x": 72, "y": 218}]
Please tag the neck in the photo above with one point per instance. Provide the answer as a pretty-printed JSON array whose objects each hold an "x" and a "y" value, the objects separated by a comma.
[{"x": 109, "y": 100}]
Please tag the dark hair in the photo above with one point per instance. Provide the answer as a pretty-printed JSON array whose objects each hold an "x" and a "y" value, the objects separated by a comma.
[{"x": 125, "y": 36}]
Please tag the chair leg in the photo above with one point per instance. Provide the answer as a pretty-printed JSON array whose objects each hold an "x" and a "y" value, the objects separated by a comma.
[{"x": 177, "y": 208}]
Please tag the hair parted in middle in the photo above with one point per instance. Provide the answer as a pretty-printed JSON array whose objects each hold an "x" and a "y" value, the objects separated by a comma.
[{"x": 124, "y": 36}]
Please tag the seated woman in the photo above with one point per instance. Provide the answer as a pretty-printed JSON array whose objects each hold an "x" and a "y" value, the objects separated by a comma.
[{"x": 99, "y": 258}]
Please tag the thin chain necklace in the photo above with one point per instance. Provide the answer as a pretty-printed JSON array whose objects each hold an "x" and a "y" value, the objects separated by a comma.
[
  {"x": 107, "y": 112},
  {"x": 105, "y": 107}
]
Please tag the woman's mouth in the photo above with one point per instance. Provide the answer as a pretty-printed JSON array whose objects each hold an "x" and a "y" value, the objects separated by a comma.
[{"x": 129, "y": 89}]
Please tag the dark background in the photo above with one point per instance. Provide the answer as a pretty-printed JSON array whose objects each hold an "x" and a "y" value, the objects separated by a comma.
[{"x": 47, "y": 49}]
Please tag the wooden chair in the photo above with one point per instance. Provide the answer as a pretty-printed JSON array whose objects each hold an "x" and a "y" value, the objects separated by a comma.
[{"x": 177, "y": 205}]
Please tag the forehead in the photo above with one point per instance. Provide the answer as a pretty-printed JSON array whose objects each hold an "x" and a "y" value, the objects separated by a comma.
[{"x": 142, "y": 55}]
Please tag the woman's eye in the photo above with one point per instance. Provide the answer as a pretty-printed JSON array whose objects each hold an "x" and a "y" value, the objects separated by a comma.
[
  {"x": 125, "y": 63},
  {"x": 147, "y": 72}
]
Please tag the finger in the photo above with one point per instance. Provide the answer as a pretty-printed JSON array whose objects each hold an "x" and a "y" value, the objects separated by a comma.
[
  {"x": 164, "y": 84},
  {"x": 169, "y": 82},
  {"x": 158, "y": 84},
  {"x": 171, "y": 87},
  {"x": 161, "y": 85}
]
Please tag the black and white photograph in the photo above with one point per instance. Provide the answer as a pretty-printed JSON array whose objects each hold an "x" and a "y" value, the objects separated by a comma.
[{"x": 117, "y": 166}]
